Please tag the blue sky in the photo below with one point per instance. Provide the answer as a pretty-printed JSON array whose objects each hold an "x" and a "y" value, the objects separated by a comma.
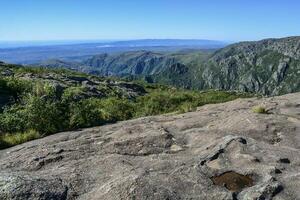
[{"x": 231, "y": 20}]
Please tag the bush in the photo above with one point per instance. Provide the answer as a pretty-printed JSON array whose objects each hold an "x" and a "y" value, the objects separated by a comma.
[
  {"x": 35, "y": 113},
  {"x": 72, "y": 93},
  {"x": 259, "y": 109},
  {"x": 94, "y": 112},
  {"x": 43, "y": 89},
  {"x": 85, "y": 113},
  {"x": 187, "y": 107},
  {"x": 44, "y": 115},
  {"x": 16, "y": 86},
  {"x": 13, "y": 119},
  {"x": 167, "y": 101},
  {"x": 114, "y": 109}
]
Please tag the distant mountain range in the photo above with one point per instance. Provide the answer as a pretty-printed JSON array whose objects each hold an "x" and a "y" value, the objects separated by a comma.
[
  {"x": 37, "y": 52},
  {"x": 269, "y": 67}
]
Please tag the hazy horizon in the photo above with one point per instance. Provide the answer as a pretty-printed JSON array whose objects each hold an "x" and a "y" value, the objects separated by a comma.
[
  {"x": 33, "y": 43},
  {"x": 41, "y": 43}
]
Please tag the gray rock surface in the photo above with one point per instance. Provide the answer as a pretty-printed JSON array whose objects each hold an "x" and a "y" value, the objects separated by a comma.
[{"x": 222, "y": 151}]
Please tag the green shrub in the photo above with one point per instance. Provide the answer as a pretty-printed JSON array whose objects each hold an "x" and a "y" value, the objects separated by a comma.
[
  {"x": 114, "y": 109},
  {"x": 43, "y": 89},
  {"x": 13, "y": 119},
  {"x": 259, "y": 109},
  {"x": 35, "y": 113},
  {"x": 15, "y": 86},
  {"x": 72, "y": 93},
  {"x": 3, "y": 85},
  {"x": 166, "y": 101},
  {"x": 187, "y": 107},
  {"x": 94, "y": 112},
  {"x": 85, "y": 113},
  {"x": 44, "y": 115}
]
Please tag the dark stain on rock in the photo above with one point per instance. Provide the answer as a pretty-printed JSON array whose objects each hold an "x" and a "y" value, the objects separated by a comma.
[
  {"x": 284, "y": 160},
  {"x": 277, "y": 171},
  {"x": 243, "y": 141},
  {"x": 277, "y": 190},
  {"x": 216, "y": 156},
  {"x": 233, "y": 181}
]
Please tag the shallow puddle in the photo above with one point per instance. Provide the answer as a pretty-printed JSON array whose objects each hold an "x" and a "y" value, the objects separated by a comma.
[{"x": 233, "y": 181}]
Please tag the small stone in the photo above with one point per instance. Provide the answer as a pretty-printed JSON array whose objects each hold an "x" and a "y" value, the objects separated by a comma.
[{"x": 175, "y": 148}]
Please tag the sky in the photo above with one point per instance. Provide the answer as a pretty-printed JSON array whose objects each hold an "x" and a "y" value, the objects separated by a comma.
[{"x": 227, "y": 20}]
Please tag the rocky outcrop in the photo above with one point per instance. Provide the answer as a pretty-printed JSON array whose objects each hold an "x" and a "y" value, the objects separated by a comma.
[
  {"x": 222, "y": 151},
  {"x": 83, "y": 85}
]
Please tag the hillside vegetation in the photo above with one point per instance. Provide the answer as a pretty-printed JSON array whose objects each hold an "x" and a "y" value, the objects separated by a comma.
[{"x": 36, "y": 102}]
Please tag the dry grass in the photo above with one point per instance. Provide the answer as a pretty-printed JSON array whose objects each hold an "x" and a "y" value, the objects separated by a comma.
[
  {"x": 8, "y": 140},
  {"x": 259, "y": 109}
]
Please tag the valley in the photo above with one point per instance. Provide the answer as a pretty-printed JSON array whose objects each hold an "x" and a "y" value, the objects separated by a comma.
[{"x": 267, "y": 67}]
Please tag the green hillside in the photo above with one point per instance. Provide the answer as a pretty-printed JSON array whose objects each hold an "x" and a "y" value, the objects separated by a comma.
[{"x": 36, "y": 102}]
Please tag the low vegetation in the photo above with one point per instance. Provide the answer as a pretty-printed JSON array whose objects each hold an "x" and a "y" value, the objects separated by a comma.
[
  {"x": 259, "y": 109},
  {"x": 8, "y": 140},
  {"x": 38, "y": 109}
]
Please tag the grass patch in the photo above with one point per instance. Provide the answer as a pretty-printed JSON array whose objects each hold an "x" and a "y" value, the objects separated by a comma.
[{"x": 9, "y": 140}]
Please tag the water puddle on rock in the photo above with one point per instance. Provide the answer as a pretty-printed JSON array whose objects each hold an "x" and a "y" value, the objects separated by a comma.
[{"x": 233, "y": 181}]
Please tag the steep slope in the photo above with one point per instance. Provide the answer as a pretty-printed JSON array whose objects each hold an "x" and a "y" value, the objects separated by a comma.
[
  {"x": 269, "y": 67},
  {"x": 222, "y": 151},
  {"x": 130, "y": 63}
]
